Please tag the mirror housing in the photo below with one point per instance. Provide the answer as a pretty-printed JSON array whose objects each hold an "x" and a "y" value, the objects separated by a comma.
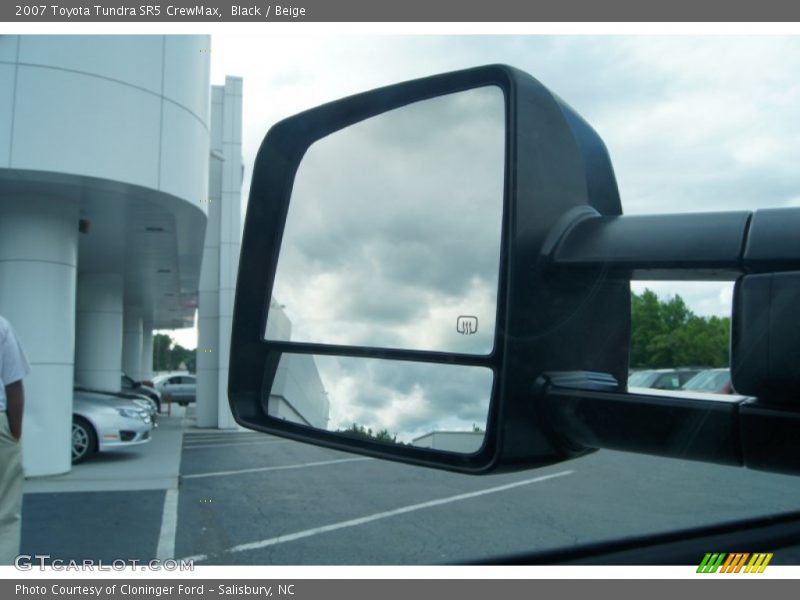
[
  {"x": 554, "y": 162},
  {"x": 765, "y": 353}
]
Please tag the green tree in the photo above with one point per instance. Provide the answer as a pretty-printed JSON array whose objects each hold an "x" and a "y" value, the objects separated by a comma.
[
  {"x": 169, "y": 356},
  {"x": 361, "y": 432},
  {"x": 161, "y": 352},
  {"x": 182, "y": 358},
  {"x": 646, "y": 323},
  {"x": 665, "y": 333}
]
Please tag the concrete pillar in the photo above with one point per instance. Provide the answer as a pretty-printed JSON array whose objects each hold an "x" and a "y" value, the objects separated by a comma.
[
  {"x": 208, "y": 292},
  {"x": 146, "y": 365},
  {"x": 229, "y": 236},
  {"x": 131, "y": 340},
  {"x": 98, "y": 331},
  {"x": 207, "y": 360},
  {"x": 220, "y": 256},
  {"x": 38, "y": 268}
]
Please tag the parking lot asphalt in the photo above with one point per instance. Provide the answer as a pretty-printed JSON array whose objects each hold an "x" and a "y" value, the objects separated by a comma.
[
  {"x": 109, "y": 507},
  {"x": 103, "y": 526},
  {"x": 306, "y": 505},
  {"x": 252, "y": 499}
]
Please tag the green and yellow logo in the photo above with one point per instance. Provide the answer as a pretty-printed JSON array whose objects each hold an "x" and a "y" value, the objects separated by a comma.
[{"x": 734, "y": 563}]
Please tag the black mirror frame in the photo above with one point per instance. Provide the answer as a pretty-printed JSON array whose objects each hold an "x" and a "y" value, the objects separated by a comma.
[{"x": 556, "y": 167}]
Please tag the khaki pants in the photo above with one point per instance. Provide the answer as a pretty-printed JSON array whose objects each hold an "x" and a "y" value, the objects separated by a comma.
[{"x": 10, "y": 493}]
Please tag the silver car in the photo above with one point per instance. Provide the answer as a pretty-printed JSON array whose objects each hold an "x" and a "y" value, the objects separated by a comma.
[
  {"x": 139, "y": 399},
  {"x": 178, "y": 387},
  {"x": 103, "y": 422}
]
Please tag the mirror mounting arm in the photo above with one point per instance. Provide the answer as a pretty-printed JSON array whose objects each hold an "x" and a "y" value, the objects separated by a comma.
[
  {"x": 704, "y": 246},
  {"x": 692, "y": 246}
]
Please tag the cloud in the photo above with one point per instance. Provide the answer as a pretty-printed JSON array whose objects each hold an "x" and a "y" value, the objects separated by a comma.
[
  {"x": 408, "y": 399},
  {"x": 394, "y": 228}
]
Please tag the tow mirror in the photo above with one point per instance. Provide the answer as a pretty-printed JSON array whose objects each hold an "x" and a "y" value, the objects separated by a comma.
[{"x": 438, "y": 272}]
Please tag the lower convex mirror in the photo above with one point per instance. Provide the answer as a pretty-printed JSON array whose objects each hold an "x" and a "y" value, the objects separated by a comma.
[{"x": 425, "y": 405}]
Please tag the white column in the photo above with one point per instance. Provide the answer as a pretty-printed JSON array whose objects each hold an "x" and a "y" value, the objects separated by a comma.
[
  {"x": 98, "y": 331},
  {"x": 146, "y": 365},
  {"x": 208, "y": 292},
  {"x": 207, "y": 345},
  {"x": 220, "y": 256},
  {"x": 38, "y": 266},
  {"x": 131, "y": 340},
  {"x": 207, "y": 374},
  {"x": 229, "y": 237}
]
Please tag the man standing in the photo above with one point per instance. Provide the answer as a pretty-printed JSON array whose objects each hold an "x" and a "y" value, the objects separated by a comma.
[{"x": 13, "y": 367}]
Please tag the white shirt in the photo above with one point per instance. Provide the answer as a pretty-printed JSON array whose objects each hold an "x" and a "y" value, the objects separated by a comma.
[{"x": 13, "y": 363}]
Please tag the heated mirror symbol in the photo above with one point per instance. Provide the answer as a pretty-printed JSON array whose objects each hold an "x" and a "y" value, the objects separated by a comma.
[{"x": 467, "y": 325}]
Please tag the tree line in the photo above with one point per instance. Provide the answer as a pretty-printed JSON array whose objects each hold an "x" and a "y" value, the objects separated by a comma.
[
  {"x": 366, "y": 433},
  {"x": 665, "y": 333},
  {"x": 171, "y": 356}
]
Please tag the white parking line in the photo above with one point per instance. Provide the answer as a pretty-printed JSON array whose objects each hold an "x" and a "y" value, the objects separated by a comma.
[
  {"x": 169, "y": 526},
  {"x": 222, "y": 445},
  {"x": 280, "y": 468},
  {"x": 229, "y": 437},
  {"x": 224, "y": 433},
  {"x": 215, "y": 431},
  {"x": 281, "y": 539},
  {"x": 229, "y": 440}
]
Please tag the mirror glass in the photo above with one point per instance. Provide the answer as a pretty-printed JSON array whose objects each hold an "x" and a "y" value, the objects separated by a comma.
[
  {"x": 393, "y": 233},
  {"x": 443, "y": 407}
]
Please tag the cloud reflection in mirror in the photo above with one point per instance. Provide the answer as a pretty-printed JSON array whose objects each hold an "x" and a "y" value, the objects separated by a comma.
[
  {"x": 394, "y": 227},
  {"x": 444, "y": 407}
]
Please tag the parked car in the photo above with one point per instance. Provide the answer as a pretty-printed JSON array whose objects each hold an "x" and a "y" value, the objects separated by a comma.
[
  {"x": 179, "y": 387},
  {"x": 128, "y": 384},
  {"x": 663, "y": 379},
  {"x": 140, "y": 400},
  {"x": 102, "y": 422},
  {"x": 714, "y": 381}
]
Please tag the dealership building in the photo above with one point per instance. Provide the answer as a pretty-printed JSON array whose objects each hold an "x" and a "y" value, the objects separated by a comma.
[{"x": 120, "y": 192}]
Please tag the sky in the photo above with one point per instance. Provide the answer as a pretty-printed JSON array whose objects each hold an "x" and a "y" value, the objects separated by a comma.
[{"x": 692, "y": 123}]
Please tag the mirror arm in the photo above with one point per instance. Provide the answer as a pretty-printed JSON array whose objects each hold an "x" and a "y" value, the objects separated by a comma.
[
  {"x": 588, "y": 410},
  {"x": 692, "y": 246}
]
